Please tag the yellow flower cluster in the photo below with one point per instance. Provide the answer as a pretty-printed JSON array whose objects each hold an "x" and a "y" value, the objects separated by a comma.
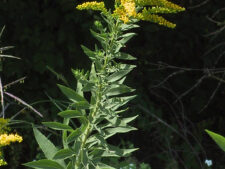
[
  {"x": 146, "y": 16},
  {"x": 6, "y": 139},
  {"x": 157, "y": 9},
  {"x": 96, "y": 6},
  {"x": 140, "y": 9},
  {"x": 2, "y": 162},
  {"x": 126, "y": 9},
  {"x": 160, "y": 3}
]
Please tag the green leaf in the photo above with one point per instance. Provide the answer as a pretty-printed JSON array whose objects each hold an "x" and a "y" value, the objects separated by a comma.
[
  {"x": 46, "y": 145},
  {"x": 116, "y": 102},
  {"x": 104, "y": 166},
  {"x": 72, "y": 136},
  {"x": 128, "y": 151},
  {"x": 220, "y": 140},
  {"x": 63, "y": 154},
  {"x": 125, "y": 56},
  {"x": 119, "y": 74},
  {"x": 57, "y": 126},
  {"x": 70, "y": 114},
  {"x": 125, "y": 27},
  {"x": 129, "y": 119},
  {"x": 77, "y": 146},
  {"x": 115, "y": 130},
  {"x": 82, "y": 105},
  {"x": 71, "y": 94},
  {"x": 100, "y": 37},
  {"x": 44, "y": 164},
  {"x": 126, "y": 37},
  {"x": 118, "y": 89},
  {"x": 88, "y": 52},
  {"x": 93, "y": 76},
  {"x": 84, "y": 158},
  {"x": 115, "y": 151},
  {"x": 88, "y": 87}
]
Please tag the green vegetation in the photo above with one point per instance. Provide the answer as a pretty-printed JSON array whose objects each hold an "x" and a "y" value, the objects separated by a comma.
[{"x": 179, "y": 82}]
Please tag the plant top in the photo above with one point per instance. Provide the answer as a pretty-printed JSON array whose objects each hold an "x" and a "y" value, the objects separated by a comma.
[{"x": 146, "y": 10}]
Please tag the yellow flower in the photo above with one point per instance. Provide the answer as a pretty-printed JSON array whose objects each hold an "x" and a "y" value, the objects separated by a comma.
[
  {"x": 129, "y": 6},
  {"x": 2, "y": 162},
  {"x": 121, "y": 14},
  {"x": 125, "y": 10},
  {"x": 160, "y": 3},
  {"x": 6, "y": 139},
  {"x": 96, "y": 6},
  {"x": 146, "y": 16}
]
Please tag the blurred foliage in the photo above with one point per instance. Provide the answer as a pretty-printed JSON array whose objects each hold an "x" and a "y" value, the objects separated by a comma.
[{"x": 170, "y": 63}]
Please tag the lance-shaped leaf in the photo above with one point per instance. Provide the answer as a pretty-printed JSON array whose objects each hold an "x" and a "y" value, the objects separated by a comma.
[
  {"x": 121, "y": 73},
  {"x": 44, "y": 164},
  {"x": 6, "y": 48},
  {"x": 9, "y": 56},
  {"x": 220, "y": 140},
  {"x": 128, "y": 151},
  {"x": 88, "y": 52},
  {"x": 126, "y": 37},
  {"x": 100, "y": 37},
  {"x": 88, "y": 87},
  {"x": 73, "y": 135},
  {"x": 46, "y": 145},
  {"x": 116, "y": 102},
  {"x": 82, "y": 105},
  {"x": 117, "y": 151},
  {"x": 125, "y": 27},
  {"x": 70, "y": 114},
  {"x": 118, "y": 89},
  {"x": 57, "y": 126},
  {"x": 115, "y": 130},
  {"x": 125, "y": 56},
  {"x": 104, "y": 166},
  {"x": 71, "y": 94},
  {"x": 63, "y": 154},
  {"x": 124, "y": 121}
]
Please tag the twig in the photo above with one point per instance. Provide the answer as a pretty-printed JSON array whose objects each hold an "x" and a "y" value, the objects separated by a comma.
[
  {"x": 14, "y": 82},
  {"x": 2, "y": 99},
  {"x": 192, "y": 88},
  {"x": 24, "y": 103}
]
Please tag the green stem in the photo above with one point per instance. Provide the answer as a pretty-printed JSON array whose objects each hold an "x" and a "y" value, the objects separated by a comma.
[{"x": 92, "y": 114}]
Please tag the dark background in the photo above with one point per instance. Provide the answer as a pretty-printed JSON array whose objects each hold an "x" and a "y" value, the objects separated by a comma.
[{"x": 178, "y": 77}]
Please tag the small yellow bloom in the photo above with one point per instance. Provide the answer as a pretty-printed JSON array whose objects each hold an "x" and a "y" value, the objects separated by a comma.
[
  {"x": 96, "y": 6},
  {"x": 146, "y": 16},
  {"x": 2, "y": 162},
  {"x": 160, "y": 3},
  {"x": 129, "y": 6},
  {"x": 125, "y": 10},
  {"x": 6, "y": 139},
  {"x": 121, "y": 14}
]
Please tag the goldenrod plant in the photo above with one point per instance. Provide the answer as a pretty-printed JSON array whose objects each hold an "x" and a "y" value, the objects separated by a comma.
[
  {"x": 100, "y": 115},
  {"x": 6, "y": 138}
]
